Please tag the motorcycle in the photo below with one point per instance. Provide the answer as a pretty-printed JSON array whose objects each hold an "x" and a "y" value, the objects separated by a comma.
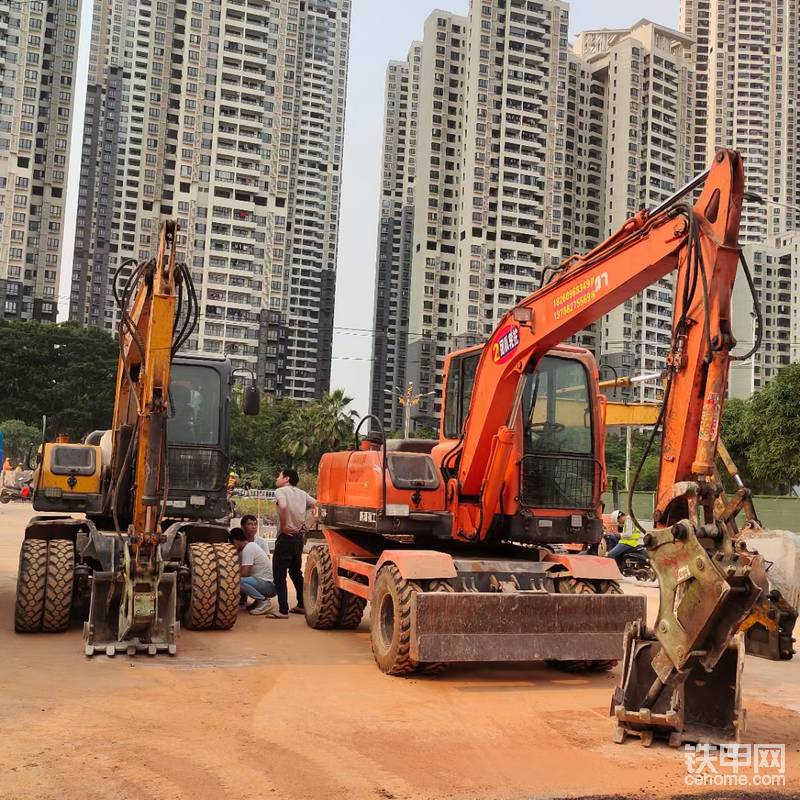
[
  {"x": 633, "y": 564},
  {"x": 22, "y": 493}
]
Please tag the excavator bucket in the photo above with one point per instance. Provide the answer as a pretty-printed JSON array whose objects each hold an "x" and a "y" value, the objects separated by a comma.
[
  {"x": 102, "y": 630},
  {"x": 695, "y": 706},
  {"x": 520, "y": 626}
]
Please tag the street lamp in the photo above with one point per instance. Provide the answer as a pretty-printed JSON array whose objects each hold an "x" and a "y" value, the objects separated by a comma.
[{"x": 407, "y": 400}]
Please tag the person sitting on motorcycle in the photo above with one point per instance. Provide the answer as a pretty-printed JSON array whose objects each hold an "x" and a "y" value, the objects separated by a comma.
[
  {"x": 629, "y": 540},
  {"x": 611, "y": 522}
]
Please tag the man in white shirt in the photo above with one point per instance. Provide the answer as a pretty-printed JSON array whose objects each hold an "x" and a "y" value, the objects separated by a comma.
[
  {"x": 255, "y": 568},
  {"x": 293, "y": 506},
  {"x": 250, "y": 527}
]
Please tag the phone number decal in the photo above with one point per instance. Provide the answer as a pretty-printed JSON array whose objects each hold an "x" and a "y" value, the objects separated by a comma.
[{"x": 581, "y": 294}]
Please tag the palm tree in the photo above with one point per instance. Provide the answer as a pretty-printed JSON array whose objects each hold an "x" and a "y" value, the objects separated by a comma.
[
  {"x": 297, "y": 437},
  {"x": 319, "y": 427},
  {"x": 332, "y": 422}
]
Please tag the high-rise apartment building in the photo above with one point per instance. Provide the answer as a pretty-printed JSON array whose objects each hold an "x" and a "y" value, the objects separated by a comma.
[
  {"x": 38, "y": 55},
  {"x": 648, "y": 90},
  {"x": 774, "y": 266},
  {"x": 437, "y": 197},
  {"x": 508, "y": 158},
  {"x": 395, "y": 236},
  {"x": 228, "y": 116},
  {"x": 747, "y": 60}
]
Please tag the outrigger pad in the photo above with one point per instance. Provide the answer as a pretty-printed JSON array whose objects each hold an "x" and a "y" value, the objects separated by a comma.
[
  {"x": 101, "y": 631},
  {"x": 693, "y": 706},
  {"x": 520, "y": 626}
]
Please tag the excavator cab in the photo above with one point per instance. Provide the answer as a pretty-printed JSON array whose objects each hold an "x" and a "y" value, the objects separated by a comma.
[{"x": 558, "y": 466}]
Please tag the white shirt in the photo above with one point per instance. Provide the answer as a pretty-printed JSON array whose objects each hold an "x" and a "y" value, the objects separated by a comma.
[
  {"x": 263, "y": 544},
  {"x": 297, "y": 503},
  {"x": 253, "y": 556}
]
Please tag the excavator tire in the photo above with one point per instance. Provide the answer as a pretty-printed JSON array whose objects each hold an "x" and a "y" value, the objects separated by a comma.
[
  {"x": 579, "y": 586},
  {"x": 44, "y": 586},
  {"x": 322, "y": 600},
  {"x": 214, "y": 591},
  {"x": 390, "y": 621},
  {"x": 435, "y": 667},
  {"x": 605, "y": 587},
  {"x": 351, "y": 611}
]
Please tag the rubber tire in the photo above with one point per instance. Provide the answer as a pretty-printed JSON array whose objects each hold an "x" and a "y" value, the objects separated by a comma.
[
  {"x": 435, "y": 667},
  {"x": 214, "y": 588},
  {"x": 44, "y": 586},
  {"x": 392, "y": 654},
  {"x": 322, "y": 600},
  {"x": 605, "y": 587},
  {"x": 351, "y": 611},
  {"x": 5, "y": 498},
  {"x": 579, "y": 586}
]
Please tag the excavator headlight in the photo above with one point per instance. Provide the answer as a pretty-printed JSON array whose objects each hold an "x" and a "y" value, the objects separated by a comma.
[
  {"x": 523, "y": 315},
  {"x": 53, "y": 492},
  {"x": 576, "y": 521},
  {"x": 397, "y": 510}
]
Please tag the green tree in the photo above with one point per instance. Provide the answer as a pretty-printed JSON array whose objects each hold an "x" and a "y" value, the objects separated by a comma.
[
  {"x": 771, "y": 428},
  {"x": 332, "y": 421},
  {"x": 63, "y": 371},
  {"x": 736, "y": 434},
  {"x": 319, "y": 427},
  {"x": 615, "y": 459},
  {"x": 20, "y": 441},
  {"x": 296, "y": 435},
  {"x": 257, "y": 450}
]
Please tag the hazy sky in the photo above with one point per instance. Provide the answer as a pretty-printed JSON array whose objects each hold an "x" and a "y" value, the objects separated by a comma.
[{"x": 381, "y": 30}]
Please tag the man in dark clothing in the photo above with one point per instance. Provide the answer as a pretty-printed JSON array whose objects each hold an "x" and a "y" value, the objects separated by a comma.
[{"x": 293, "y": 505}]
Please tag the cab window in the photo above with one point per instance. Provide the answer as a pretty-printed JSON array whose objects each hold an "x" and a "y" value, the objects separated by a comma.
[{"x": 458, "y": 393}]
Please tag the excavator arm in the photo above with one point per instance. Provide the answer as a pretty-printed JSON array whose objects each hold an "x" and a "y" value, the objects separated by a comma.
[{"x": 157, "y": 311}]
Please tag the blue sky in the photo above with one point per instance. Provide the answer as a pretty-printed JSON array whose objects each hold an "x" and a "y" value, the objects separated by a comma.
[{"x": 381, "y": 30}]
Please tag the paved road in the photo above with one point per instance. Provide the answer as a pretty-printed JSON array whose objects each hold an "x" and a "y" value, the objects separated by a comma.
[{"x": 274, "y": 709}]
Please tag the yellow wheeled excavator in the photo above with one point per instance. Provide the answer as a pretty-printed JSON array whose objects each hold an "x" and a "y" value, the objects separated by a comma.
[{"x": 138, "y": 543}]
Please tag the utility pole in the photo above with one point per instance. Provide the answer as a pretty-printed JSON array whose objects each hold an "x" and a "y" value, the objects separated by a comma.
[{"x": 407, "y": 400}]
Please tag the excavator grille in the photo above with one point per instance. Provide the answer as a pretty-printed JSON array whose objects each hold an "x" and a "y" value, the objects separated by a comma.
[
  {"x": 555, "y": 480},
  {"x": 198, "y": 469}
]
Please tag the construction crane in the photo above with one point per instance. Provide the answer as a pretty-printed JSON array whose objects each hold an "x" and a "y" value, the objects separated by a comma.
[
  {"x": 152, "y": 549},
  {"x": 455, "y": 542}
]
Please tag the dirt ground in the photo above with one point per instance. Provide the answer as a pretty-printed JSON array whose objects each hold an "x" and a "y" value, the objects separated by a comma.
[{"x": 275, "y": 709}]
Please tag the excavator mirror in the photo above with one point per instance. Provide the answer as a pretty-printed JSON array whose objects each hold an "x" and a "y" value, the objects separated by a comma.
[{"x": 251, "y": 401}]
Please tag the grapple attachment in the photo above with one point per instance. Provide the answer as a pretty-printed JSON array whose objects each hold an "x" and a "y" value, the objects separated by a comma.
[{"x": 682, "y": 680}]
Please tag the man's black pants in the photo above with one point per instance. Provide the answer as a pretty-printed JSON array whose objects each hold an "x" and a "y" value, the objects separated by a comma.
[{"x": 288, "y": 557}]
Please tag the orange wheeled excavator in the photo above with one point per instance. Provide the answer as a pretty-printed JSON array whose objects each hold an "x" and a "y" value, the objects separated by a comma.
[{"x": 455, "y": 542}]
